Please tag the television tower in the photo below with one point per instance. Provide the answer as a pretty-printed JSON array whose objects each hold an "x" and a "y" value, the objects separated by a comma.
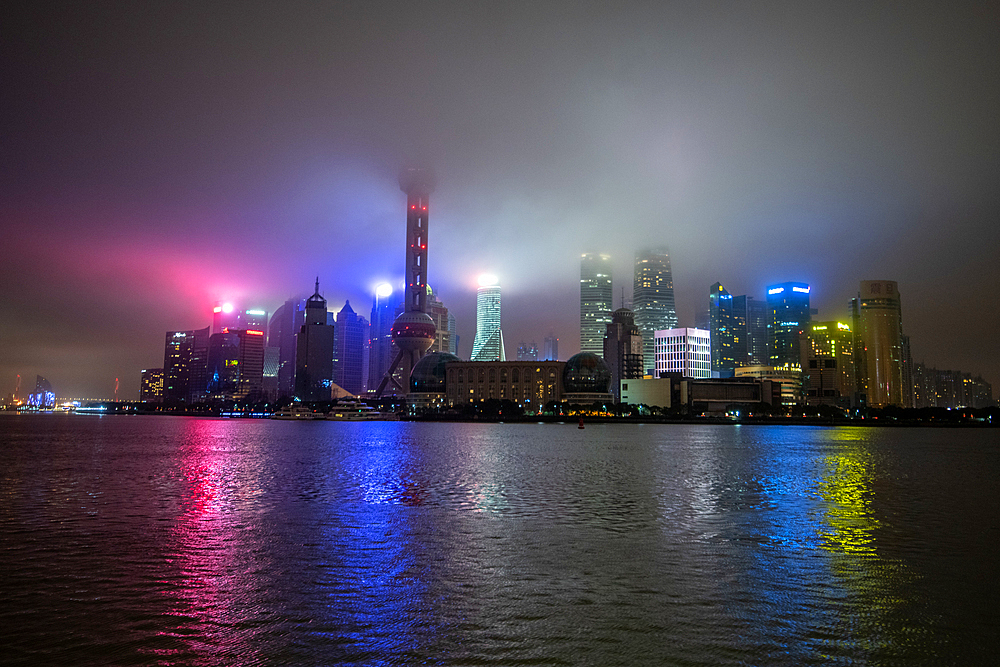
[{"x": 413, "y": 332}]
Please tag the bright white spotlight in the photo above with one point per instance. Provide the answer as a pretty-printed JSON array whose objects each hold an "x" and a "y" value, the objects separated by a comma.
[
  {"x": 383, "y": 290},
  {"x": 487, "y": 280},
  {"x": 227, "y": 307}
]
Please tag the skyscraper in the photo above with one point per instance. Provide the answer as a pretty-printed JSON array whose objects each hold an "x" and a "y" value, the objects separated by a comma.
[
  {"x": 527, "y": 352},
  {"x": 352, "y": 350},
  {"x": 720, "y": 326},
  {"x": 151, "y": 385},
  {"x": 413, "y": 331},
  {"x": 444, "y": 323},
  {"x": 750, "y": 318},
  {"x": 550, "y": 351},
  {"x": 653, "y": 298},
  {"x": 488, "y": 343},
  {"x": 314, "y": 352},
  {"x": 380, "y": 347},
  {"x": 595, "y": 301},
  {"x": 236, "y": 364},
  {"x": 282, "y": 329},
  {"x": 185, "y": 366},
  {"x": 623, "y": 349},
  {"x": 881, "y": 339},
  {"x": 828, "y": 364},
  {"x": 788, "y": 305}
]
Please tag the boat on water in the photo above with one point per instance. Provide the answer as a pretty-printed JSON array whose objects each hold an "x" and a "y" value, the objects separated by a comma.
[
  {"x": 355, "y": 411},
  {"x": 297, "y": 412}
]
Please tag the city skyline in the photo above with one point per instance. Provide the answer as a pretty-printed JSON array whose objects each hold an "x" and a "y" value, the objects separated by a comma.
[{"x": 153, "y": 170}]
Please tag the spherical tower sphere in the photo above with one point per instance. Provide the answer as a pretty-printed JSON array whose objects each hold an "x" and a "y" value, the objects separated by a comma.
[
  {"x": 417, "y": 179},
  {"x": 586, "y": 372},
  {"x": 414, "y": 331},
  {"x": 428, "y": 374}
]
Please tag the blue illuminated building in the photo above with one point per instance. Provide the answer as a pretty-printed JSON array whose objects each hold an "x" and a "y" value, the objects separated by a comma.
[
  {"x": 721, "y": 329},
  {"x": 788, "y": 306}
]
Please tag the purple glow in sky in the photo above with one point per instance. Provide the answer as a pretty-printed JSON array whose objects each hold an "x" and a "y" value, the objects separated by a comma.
[{"x": 160, "y": 158}]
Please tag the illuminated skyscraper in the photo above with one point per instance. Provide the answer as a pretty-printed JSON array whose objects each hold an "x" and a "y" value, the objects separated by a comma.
[
  {"x": 653, "y": 298},
  {"x": 380, "y": 349},
  {"x": 185, "y": 367},
  {"x": 595, "y": 301},
  {"x": 314, "y": 352},
  {"x": 880, "y": 335},
  {"x": 788, "y": 306},
  {"x": 488, "y": 343},
  {"x": 722, "y": 330},
  {"x": 413, "y": 331}
]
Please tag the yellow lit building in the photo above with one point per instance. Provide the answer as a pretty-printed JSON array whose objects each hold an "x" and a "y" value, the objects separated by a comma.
[{"x": 827, "y": 350}]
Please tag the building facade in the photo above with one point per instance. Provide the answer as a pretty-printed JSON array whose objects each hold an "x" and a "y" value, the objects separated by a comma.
[
  {"x": 531, "y": 385},
  {"x": 623, "y": 349},
  {"x": 151, "y": 385},
  {"x": 789, "y": 314},
  {"x": 314, "y": 350},
  {"x": 595, "y": 300},
  {"x": 185, "y": 367},
  {"x": 685, "y": 351},
  {"x": 488, "y": 343},
  {"x": 351, "y": 334},
  {"x": 550, "y": 349},
  {"x": 827, "y": 350},
  {"x": 880, "y": 337},
  {"x": 444, "y": 324},
  {"x": 722, "y": 330},
  {"x": 653, "y": 298}
]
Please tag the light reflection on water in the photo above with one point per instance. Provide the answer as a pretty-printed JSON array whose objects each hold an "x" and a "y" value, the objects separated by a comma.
[{"x": 187, "y": 541}]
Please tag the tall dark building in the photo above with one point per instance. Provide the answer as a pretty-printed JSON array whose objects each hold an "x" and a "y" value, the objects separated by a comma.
[
  {"x": 789, "y": 314},
  {"x": 185, "y": 367},
  {"x": 595, "y": 301},
  {"x": 750, "y": 319},
  {"x": 413, "y": 331},
  {"x": 653, "y": 298},
  {"x": 282, "y": 329},
  {"x": 352, "y": 351},
  {"x": 722, "y": 331},
  {"x": 314, "y": 352},
  {"x": 623, "y": 349}
]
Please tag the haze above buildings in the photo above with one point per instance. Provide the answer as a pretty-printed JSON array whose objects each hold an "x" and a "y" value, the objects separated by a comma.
[{"x": 161, "y": 159}]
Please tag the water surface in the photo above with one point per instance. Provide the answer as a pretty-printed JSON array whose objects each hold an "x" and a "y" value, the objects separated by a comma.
[{"x": 165, "y": 540}]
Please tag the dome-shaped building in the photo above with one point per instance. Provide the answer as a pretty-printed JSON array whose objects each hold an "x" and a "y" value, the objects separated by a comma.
[
  {"x": 586, "y": 379},
  {"x": 427, "y": 382},
  {"x": 428, "y": 375}
]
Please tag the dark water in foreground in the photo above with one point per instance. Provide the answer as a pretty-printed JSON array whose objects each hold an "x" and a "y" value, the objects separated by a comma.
[{"x": 158, "y": 540}]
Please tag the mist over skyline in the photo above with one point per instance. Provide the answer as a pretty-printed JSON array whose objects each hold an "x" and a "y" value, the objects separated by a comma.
[{"x": 161, "y": 158}]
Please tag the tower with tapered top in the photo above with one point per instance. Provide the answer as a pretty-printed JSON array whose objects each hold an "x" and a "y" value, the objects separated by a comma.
[{"x": 413, "y": 331}]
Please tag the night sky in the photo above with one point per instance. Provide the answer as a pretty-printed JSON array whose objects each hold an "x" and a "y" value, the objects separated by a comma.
[{"x": 160, "y": 157}]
